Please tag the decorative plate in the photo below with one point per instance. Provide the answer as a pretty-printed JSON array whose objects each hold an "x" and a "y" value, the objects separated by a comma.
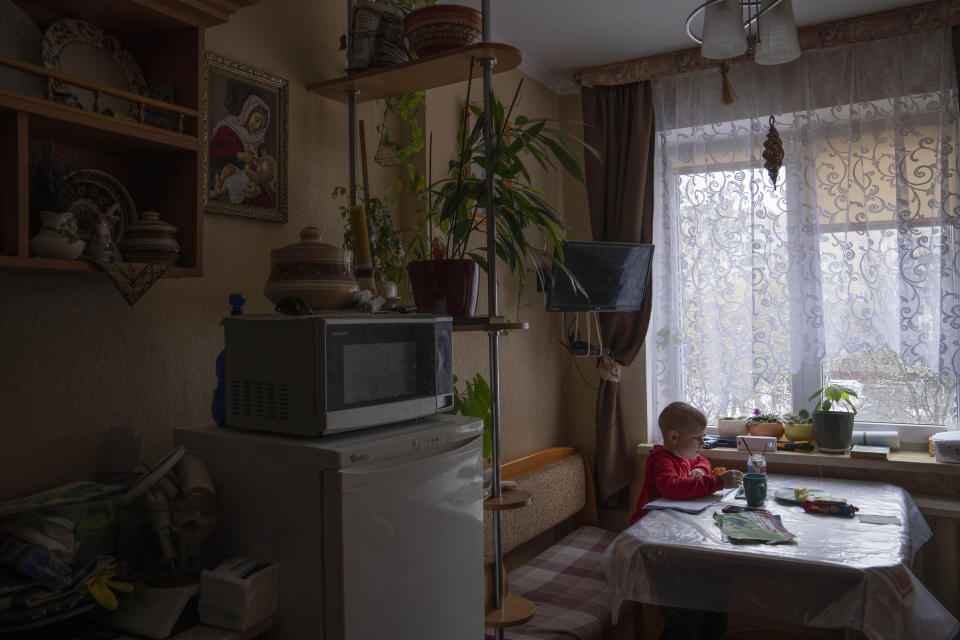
[
  {"x": 85, "y": 50},
  {"x": 20, "y": 39},
  {"x": 96, "y": 192}
]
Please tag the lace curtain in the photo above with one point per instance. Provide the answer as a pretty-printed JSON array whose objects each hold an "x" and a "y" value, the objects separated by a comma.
[{"x": 855, "y": 247}]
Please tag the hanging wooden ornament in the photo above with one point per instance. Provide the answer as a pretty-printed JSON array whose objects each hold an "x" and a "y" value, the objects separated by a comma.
[
  {"x": 727, "y": 94},
  {"x": 773, "y": 152}
]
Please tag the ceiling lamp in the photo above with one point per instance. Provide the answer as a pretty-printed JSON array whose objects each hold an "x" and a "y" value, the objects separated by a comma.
[{"x": 729, "y": 26}]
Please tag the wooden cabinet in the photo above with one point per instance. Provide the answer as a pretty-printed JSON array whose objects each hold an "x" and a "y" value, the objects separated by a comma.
[{"x": 160, "y": 167}]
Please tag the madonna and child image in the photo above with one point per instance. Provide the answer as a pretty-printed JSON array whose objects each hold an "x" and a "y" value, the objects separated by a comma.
[{"x": 246, "y": 141}]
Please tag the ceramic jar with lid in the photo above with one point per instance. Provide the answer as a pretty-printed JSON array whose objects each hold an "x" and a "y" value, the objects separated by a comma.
[
  {"x": 151, "y": 240},
  {"x": 318, "y": 273}
]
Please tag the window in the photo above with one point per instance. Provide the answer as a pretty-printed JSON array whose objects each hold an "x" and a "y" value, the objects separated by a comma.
[{"x": 844, "y": 271}]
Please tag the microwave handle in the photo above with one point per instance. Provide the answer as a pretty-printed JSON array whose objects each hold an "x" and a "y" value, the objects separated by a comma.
[{"x": 387, "y": 468}]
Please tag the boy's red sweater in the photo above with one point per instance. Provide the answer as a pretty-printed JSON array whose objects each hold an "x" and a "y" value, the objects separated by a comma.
[{"x": 668, "y": 476}]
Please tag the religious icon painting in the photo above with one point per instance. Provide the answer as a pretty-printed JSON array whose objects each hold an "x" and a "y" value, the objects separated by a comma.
[{"x": 245, "y": 141}]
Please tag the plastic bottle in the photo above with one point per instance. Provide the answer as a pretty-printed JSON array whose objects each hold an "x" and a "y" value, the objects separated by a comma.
[{"x": 219, "y": 405}]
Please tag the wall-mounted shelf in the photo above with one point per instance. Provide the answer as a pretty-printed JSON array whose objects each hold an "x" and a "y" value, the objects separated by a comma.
[
  {"x": 51, "y": 120},
  {"x": 428, "y": 72},
  {"x": 47, "y": 265},
  {"x": 153, "y": 150}
]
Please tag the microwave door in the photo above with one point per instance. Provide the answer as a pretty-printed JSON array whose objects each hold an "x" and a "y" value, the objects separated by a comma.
[{"x": 377, "y": 374}]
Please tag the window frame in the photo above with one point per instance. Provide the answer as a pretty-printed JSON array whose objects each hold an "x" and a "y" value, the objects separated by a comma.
[{"x": 808, "y": 379}]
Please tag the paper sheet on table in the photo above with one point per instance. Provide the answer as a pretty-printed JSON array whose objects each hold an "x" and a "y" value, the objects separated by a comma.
[{"x": 693, "y": 505}]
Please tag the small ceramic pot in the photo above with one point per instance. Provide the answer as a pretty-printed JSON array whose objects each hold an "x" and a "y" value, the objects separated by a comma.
[
  {"x": 731, "y": 428},
  {"x": 771, "y": 429},
  {"x": 441, "y": 27},
  {"x": 320, "y": 274},
  {"x": 798, "y": 432},
  {"x": 151, "y": 240},
  {"x": 57, "y": 237}
]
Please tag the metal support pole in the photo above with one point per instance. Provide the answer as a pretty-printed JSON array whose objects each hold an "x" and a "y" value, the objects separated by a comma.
[
  {"x": 493, "y": 310},
  {"x": 352, "y": 145}
]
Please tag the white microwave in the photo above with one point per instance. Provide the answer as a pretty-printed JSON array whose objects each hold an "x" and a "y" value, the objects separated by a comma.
[{"x": 320, "y": 374}]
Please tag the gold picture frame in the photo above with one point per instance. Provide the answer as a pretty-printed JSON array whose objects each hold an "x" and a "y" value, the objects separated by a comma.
[{"x": 244, "y": 141}]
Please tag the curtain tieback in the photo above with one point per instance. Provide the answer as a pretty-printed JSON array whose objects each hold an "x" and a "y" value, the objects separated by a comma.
[{"x": 609, "y": 369}]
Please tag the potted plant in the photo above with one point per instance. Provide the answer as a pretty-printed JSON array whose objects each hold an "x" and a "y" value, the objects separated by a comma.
[
  {"x": 832, "y": 426},
  {"x": 529, "y": 231},
  {"x": 385, "y": 246},
  {"x": 798, "y": 427},
  {"x": 475, "y": 401},
  {"x": 730, "y": 427},
  {"x": 765, "y": 424}
]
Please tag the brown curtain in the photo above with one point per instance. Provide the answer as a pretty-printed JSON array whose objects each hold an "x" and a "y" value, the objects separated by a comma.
[{"x": 619, "y": 124}]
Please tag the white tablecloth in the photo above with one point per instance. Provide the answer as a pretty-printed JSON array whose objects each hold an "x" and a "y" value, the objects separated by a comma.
[{"x": 839, "y": 573}]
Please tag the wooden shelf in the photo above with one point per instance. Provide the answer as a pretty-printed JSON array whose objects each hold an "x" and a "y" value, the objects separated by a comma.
[
  {"x": 516, "y": 610},
  {"x": 53, "y": 265},
  {"x": 488, "y": 324},
  {"x": 51, "y": 120},
  {"x": 427, "y": 72},
  {"x": 159, "y": 168},
  {"x": 509, "y": 499}
]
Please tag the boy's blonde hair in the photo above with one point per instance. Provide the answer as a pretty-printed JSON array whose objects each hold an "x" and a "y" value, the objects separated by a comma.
[{"x": 680, "y": 415}]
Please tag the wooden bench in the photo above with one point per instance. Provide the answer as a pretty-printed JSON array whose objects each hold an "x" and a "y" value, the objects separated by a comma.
[{"x": 553, "y": 548}]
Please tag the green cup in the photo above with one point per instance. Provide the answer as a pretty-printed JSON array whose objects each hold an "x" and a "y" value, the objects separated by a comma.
[{"x": 755, "y": 488}]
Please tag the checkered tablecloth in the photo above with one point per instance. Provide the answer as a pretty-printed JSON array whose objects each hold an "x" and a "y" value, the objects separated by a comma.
[{"x": 569, "y": 588}]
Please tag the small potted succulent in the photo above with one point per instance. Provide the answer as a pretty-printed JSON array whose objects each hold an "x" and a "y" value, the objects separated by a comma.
[
  {"x": 730, "y": 427},
  {"x": 798, "y": 427},
  {"x": 765, "y": 424},
  {"x": 833, "y": 417}
]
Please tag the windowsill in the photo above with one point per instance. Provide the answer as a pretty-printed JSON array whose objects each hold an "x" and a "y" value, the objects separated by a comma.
[{"x": 915, "y": 461}]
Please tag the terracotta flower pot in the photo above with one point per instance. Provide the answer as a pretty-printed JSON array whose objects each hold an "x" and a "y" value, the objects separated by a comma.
[
  {"x": 445, "y": 286},
  {"x": 771, "y": 429},
  {"x": 441, "y": 27}
]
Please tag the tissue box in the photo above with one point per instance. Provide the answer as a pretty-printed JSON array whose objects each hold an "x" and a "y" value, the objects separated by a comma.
[
  {"x": 757, "y": 444},
  {"x": 239, "y": 593},
  {"x": 946, "y": 446}
]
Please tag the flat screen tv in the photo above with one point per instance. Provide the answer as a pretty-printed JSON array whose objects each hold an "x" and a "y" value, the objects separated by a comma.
[{"x": 613, "y": 275}]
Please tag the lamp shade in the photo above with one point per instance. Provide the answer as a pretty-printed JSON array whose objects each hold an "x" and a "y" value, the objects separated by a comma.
[
  {"x": 723, "y": 35},
  {"x": 777, "y": 42}
]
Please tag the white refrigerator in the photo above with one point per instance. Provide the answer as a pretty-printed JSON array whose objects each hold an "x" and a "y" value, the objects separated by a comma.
[{"x": 378, "y": 532}]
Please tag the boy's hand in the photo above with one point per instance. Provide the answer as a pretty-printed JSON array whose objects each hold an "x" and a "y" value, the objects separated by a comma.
[
  {"x": 696, "y": 473},
  {"x": 731, "y": 478}
]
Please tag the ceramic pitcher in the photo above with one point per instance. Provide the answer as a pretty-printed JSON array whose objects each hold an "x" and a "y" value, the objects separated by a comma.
[{"x": 57, "y": 237}]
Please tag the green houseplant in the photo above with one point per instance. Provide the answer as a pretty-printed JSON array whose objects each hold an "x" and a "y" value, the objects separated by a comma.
[
  {"x": 832, "y": 425},
  {"x": 528, "y": 232},
  {"x": 475, "y": 401}
]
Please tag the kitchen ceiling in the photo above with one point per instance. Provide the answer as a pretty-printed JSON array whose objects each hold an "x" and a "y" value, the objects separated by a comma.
[{"x": 558, "y": 37}]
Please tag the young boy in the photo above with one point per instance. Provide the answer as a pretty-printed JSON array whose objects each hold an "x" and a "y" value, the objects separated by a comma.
[{"x": 676, "y": 470}]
